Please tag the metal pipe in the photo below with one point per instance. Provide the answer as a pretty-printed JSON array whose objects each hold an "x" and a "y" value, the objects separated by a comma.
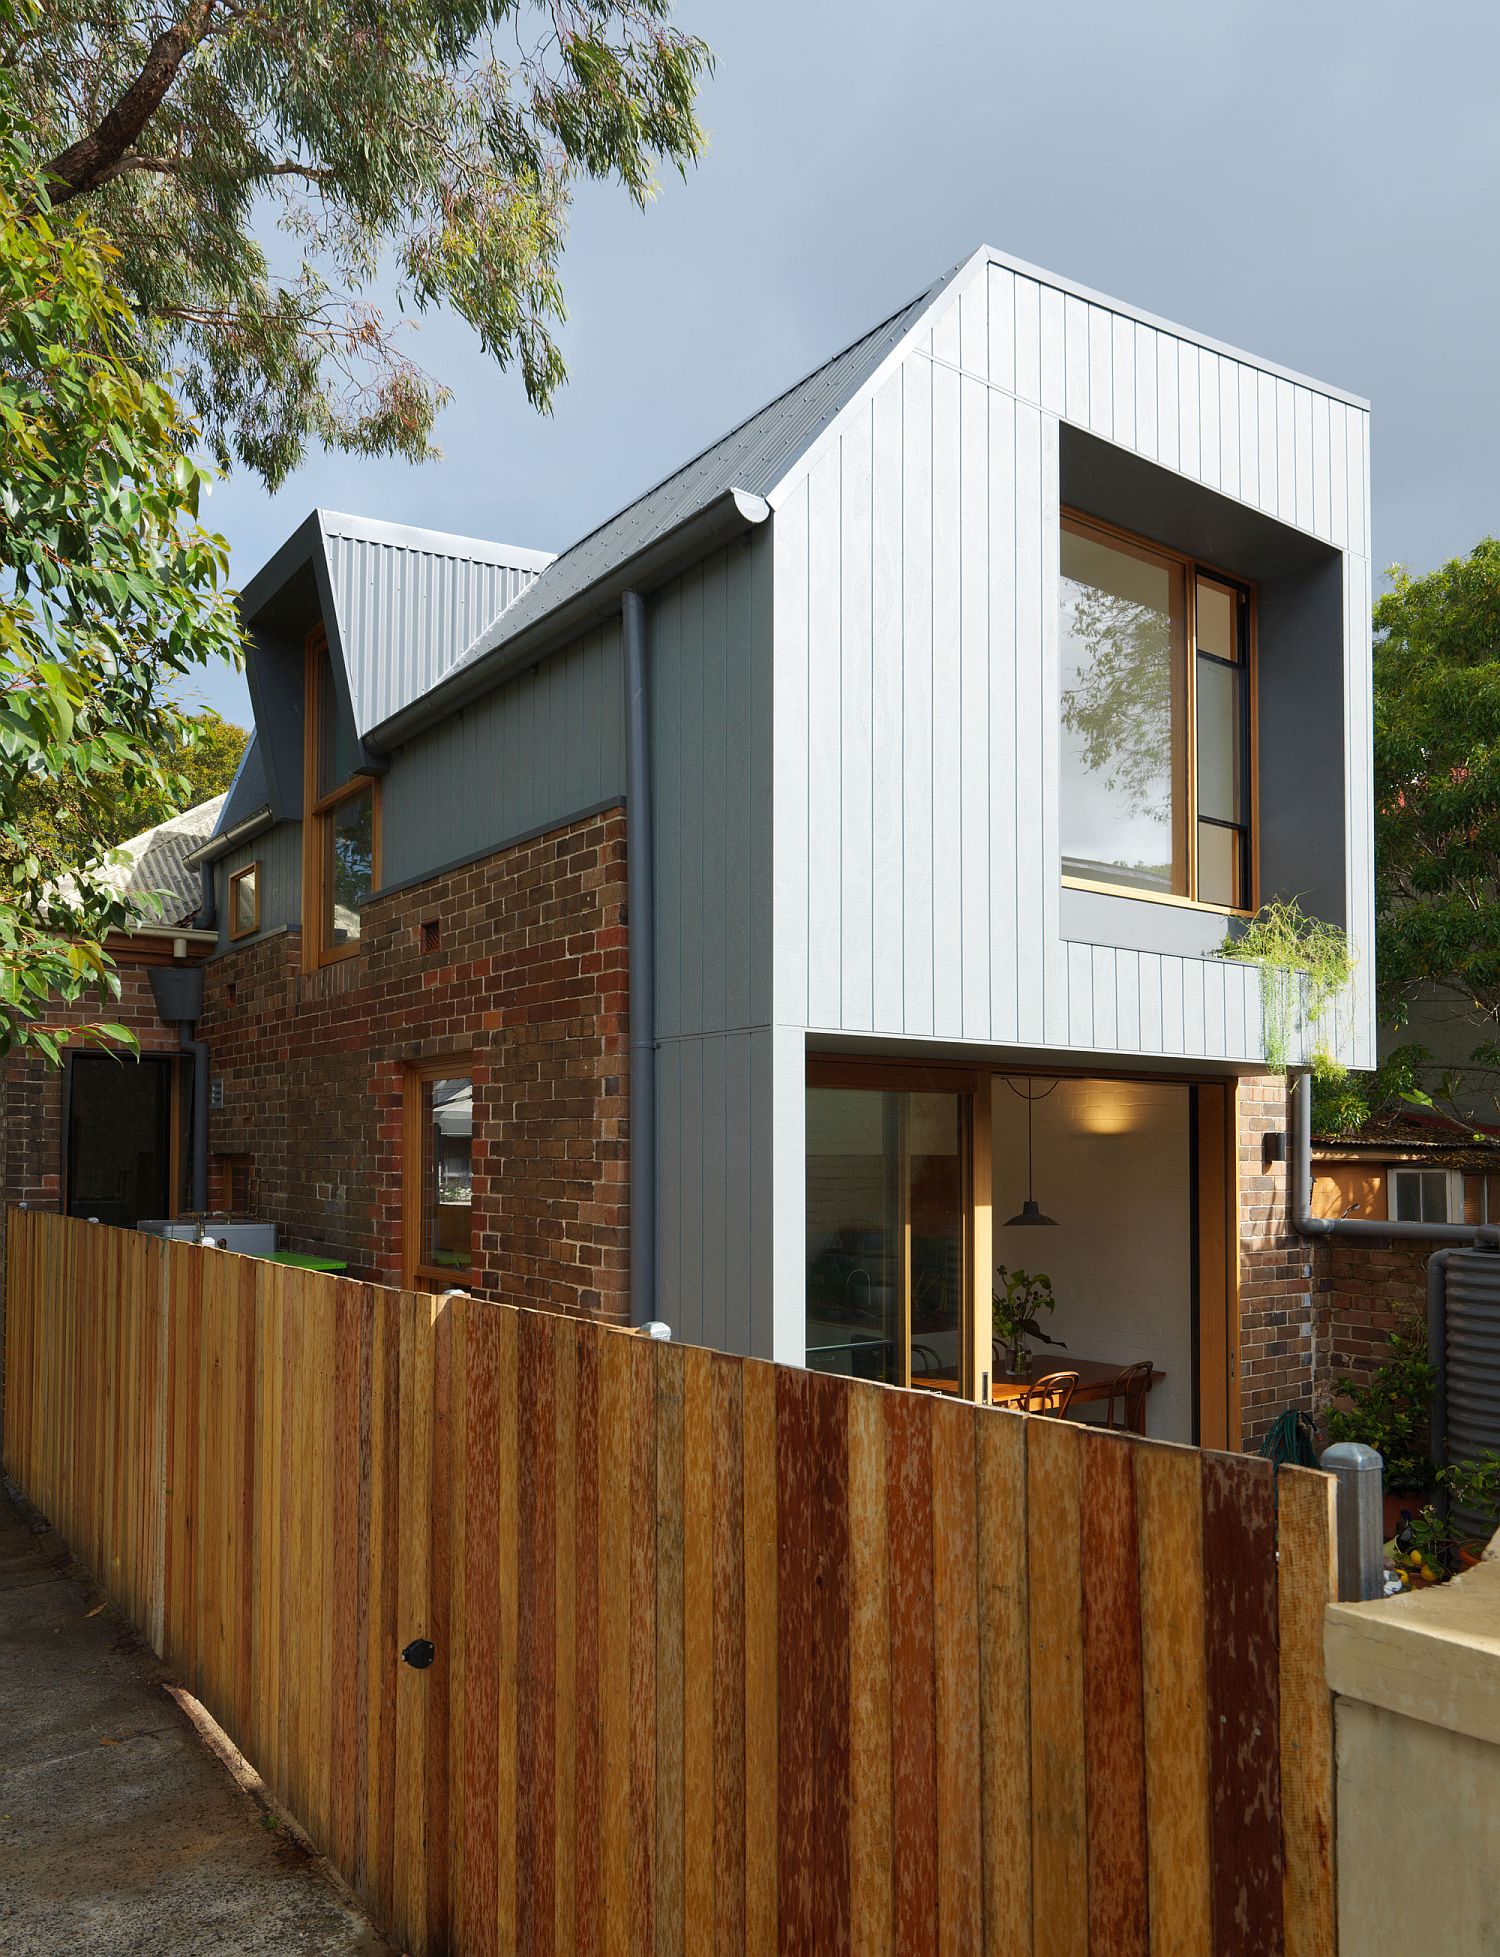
[
  {"x": 1308, "y": 1225},
  {"x": 208, "y": 903},
  {"x": 641, "y": 901},
  {"x": 198, "y": 1160}
]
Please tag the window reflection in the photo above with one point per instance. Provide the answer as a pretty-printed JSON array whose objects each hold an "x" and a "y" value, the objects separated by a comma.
[
  {"x": 1122, "y": 660},
  {"x": 885, "y": 1235},
  {"x": 448, "y": 1176},
  {"x": 350, "y": 830}
]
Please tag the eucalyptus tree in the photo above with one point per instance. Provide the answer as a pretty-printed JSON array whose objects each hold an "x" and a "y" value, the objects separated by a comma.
[
  {"x": 282, "y": 179},
  {"x": 112, "y": 594}
]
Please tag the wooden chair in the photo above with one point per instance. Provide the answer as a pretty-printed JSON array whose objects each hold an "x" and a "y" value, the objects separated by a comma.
[
  {"x": 1126, "y": 1411},
  {"x": 1049, "y": 1394}
]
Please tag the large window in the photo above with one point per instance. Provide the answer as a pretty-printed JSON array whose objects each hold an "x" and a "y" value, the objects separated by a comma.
[
  {"x": 439, "y": 1178},
  {"x": 341, "y": 860},
  {"x": 1155, "y": 684},
  {"x": 888, "y": 1203}
]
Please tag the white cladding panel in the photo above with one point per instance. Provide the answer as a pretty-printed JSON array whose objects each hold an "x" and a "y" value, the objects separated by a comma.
[{"x": 917, "y": 856}]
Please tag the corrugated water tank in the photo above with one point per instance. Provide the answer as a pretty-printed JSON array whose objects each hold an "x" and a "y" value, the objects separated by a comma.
[{"x": 1473, "y": 1362}]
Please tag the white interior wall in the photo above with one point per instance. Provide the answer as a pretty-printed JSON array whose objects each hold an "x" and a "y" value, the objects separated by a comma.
[{"x": 1113, "y": 1168}]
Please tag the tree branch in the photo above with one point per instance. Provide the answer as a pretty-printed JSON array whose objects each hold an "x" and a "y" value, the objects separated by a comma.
[
  {"x": 95, "y": 158},
  {"x": 172, "y": 166}
]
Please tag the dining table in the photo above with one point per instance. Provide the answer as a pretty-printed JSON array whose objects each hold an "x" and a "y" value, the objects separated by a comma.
[{"x": 1095, "y": 1379}]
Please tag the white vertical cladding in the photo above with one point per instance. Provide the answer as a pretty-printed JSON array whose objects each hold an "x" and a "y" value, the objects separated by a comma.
[{"x": 916, "y": 635}]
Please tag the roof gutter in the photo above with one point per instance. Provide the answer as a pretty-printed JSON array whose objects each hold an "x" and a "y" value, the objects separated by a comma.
[
  {"x": 1359, "y": 1228},
  {"x": 727, "y": 517},
  {"x": 242, "y": 832}
]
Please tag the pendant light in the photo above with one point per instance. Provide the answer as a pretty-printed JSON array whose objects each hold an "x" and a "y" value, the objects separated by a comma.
[{"x": 1030, "y": 1211}]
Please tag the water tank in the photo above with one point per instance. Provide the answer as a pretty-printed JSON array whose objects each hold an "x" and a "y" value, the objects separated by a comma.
[
  {"x": 249, "y": 1239},
  {"x": 1473, "y": 1364}
]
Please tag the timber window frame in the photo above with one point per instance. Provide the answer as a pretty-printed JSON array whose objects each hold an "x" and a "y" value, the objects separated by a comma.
[
  {"x": 326, "y": 794},
  {"x": 1198, "y": 665},
  {"x": 249, "y": 874}
]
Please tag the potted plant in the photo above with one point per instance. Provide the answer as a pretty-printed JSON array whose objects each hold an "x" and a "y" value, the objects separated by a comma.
[
  {"x": 1016, "y": 1309},
  {"x": 1390, "y": 1413},
  {"x": 1435, "y": 1545}
]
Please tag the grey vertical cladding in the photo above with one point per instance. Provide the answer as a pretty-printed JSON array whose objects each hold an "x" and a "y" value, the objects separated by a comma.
[
  {"x": 278, "y": 851},
  {"x": 710, "y": 678},
  {"x": 917, "y": 845},
  {"x": 536, "y": 751}
]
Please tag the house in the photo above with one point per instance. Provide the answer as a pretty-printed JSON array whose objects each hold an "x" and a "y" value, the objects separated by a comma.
[
  {"x": 804, "y": 893},
  {"x": 109, "y": 1134}
]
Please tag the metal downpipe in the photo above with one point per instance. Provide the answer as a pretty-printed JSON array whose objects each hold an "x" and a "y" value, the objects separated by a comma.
[
  {"x": 198, "y": 1160},
  {"x": 640, "y": 897}
]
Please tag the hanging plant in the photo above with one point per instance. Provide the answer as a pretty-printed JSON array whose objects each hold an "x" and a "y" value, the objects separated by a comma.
[{"x": 1304, "y": 965}]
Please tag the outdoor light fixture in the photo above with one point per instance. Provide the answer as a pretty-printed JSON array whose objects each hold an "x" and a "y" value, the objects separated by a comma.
[{"x": 1030, "y": 1211}]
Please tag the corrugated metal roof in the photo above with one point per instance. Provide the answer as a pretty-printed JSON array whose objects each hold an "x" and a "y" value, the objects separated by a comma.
[
  {"x": 753, "y": 457},
  {"x": 157, "y": 860},
  {"x": 408, "y": 602}
]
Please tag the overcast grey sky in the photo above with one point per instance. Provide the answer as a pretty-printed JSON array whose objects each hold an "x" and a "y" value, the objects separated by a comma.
[{"x": 1314, "y": 182}]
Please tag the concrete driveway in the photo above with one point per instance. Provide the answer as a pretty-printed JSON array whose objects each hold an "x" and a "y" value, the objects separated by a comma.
[{"x": 121, "y": 1832}]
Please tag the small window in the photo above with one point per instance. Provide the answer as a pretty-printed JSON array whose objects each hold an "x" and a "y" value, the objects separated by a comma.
[
  {"x": 1423, "y": 1196},
  {"x": 439, "y": 1179},
  {"x": 341, "y": 860},
  {"x": 1155, "y": 704},
  {"x": 244, "y": 902}
]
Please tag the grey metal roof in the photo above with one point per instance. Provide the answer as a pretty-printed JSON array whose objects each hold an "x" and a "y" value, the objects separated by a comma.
[
  {"x": 754, "y": 457},
  {"x": 248, "y": 794},
  {"x": 407, "y": 602}
]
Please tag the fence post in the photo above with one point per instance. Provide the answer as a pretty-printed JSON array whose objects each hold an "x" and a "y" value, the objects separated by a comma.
[{"x": 1357, "y": 1471}]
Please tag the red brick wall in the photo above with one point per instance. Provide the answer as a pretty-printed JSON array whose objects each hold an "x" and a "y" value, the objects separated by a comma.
[
  {"x": 530, "y": 978},
  {"x": 1285, "y": 1327},
  {"x": 1370, "y": 1288},
  {"x": 33, "y": 1085},
  {"x": 1309, "y": 1311}
]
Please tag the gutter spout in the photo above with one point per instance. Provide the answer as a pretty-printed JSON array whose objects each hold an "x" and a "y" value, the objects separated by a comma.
[
  {"x": 640, "y": 899},
  {"x": 1318, "y": 1227}
]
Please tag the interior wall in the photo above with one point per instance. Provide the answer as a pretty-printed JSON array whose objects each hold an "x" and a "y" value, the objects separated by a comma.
[{"x": 1112, "y": 1167}]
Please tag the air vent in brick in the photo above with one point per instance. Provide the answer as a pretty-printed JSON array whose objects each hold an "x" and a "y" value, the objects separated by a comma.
[{"x": 432, "y": 934}]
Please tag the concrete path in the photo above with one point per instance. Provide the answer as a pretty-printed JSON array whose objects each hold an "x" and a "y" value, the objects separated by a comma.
[{"x": 121, "y": 1833}]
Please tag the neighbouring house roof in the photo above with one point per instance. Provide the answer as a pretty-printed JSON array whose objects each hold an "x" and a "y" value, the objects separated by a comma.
[
  {"x": 162, "y": 860},
  {"x": 1415, "y": 1136}
]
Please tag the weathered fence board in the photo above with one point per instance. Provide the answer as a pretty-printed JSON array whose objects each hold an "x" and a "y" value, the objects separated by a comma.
[{"x": 727, "y": 1657}]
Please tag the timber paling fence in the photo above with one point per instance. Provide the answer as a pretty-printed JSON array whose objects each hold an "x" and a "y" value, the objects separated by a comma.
[{"x": 728, "y": 1657}]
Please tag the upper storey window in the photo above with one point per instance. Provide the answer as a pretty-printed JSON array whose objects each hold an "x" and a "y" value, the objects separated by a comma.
[
  {"x": 1155, "y": 669},
  {"x": 341, "y": 858}
]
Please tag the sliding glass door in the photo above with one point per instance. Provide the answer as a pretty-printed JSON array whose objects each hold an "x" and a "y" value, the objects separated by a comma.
[{"x": 889, "y": 1173}]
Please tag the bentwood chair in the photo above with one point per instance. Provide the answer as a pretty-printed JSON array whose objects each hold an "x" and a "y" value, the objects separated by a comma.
[
  {"x": 1049, "y": 1394},
  {"x": 1126, "y": 1410}
]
